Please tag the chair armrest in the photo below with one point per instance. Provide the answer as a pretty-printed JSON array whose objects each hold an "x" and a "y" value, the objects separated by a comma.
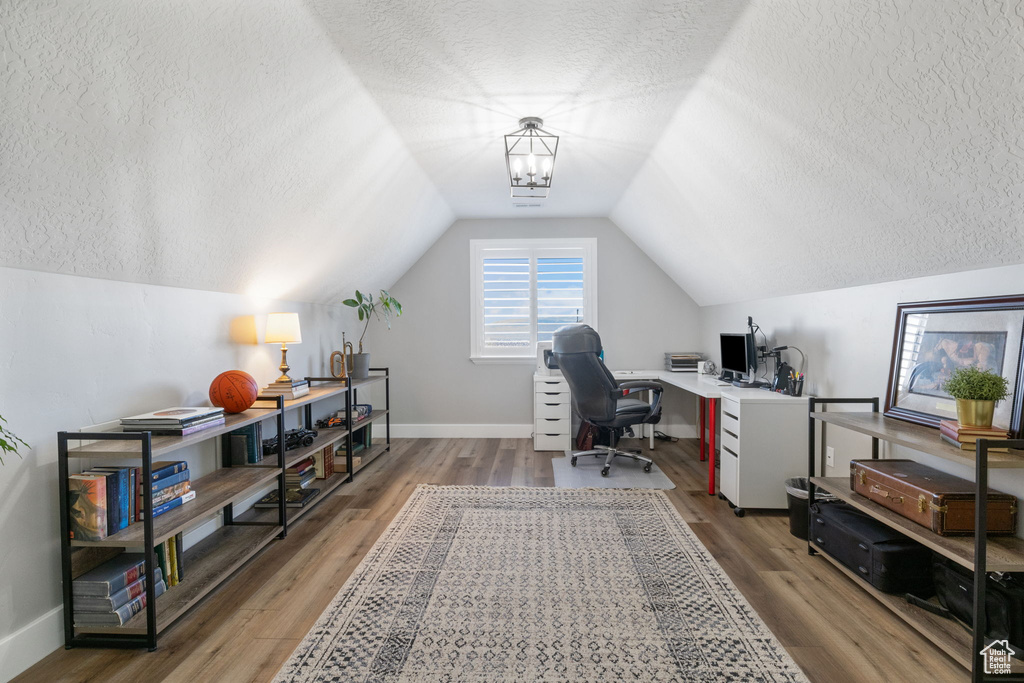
[{"x": 627, "y": 388}]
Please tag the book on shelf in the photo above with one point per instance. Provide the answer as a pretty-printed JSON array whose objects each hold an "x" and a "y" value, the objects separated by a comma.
[
  {"x": 161, "y": 557},
  {"x": 323, "y": 462},
  {"x": 109, "y": 603},
  {"x": 970, "y": 446},
  {"x": 171, "y": 492},
  {"x": 169, "y": 505},
  {"x": 119, "y": 498},
  {"x": 172, "y": 563},
  {"x": 175, "y": 431},
  {"x": 121, "y": 615},
  {"x": 242, "y": 446},
  {"x": 166, "y": 482},
  {"x": 179, "y": 554},
  {"x": 111, "y": 576},
  {"x": 173, "y": 417},
  {"x": 289, "y": 393},
  {"x": 87, "y": 507},
  {"x": 167, "y": 468},
  {"x": 969, "y": 434},
  {"x": 293, "y": 498}
]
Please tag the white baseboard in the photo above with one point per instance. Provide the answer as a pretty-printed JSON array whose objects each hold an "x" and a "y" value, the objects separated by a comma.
[
  {"x": 30, "y": 643},
  {"x": 467, "y": 431}
]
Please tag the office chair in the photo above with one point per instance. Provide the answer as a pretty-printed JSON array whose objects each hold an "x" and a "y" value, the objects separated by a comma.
[{"x": 597, "y": 396}]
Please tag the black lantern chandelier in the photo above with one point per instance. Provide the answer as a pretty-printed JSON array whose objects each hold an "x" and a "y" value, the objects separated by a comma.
[{"x": 530, "y": 159}]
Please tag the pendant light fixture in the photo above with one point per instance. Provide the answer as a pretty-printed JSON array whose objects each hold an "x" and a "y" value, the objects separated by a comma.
[{"x": 530, "y": 159}]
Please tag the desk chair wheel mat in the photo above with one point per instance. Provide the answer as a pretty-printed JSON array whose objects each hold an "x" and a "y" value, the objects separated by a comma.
[{"x": 625, "y": 473}]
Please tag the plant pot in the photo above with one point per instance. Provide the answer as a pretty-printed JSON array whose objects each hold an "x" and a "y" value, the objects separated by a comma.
[
  {"x": 361, "y": 366},
  {"x": 974, "y": 413}
]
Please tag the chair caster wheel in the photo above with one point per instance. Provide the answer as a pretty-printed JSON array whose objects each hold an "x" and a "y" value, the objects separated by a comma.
[
  {"x": 605, "y": 471},
  {"x": 573, "y": 461},
  {"x": 647, "y": 468},
  {"x": 739, "y": 512},
  {"x": 721, "y": 496}
]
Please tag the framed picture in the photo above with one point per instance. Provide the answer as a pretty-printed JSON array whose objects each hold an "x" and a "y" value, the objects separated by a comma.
[{"x": 934, "y": 338}]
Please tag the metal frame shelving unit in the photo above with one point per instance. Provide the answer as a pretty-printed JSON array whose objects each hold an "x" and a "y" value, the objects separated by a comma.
[
  {"x": 999, "y": 553},
  {"x": 215, "y": 558}
]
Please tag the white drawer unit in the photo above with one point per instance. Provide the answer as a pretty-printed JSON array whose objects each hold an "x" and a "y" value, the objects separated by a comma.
[
  {"x": 552, "y": 414},
  {"x": 763, "y": 442}
]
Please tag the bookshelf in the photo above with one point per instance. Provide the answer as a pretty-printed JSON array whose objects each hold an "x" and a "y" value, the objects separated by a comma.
[
  {"x": 980, "y": 552},
  {"x": 215, "y": 558}
]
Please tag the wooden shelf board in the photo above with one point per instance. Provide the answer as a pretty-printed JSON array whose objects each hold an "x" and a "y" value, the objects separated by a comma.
[
  {"x": 372, "y": 379},
  {"x": 946, "y": 634},
  {"x": 1005, "y": 553},
  {"x": 369, "y": 455},
  {"x": 269, "y": 516},
  {"x": 317, "y": 394},
  {"x": 214, "y": 491},
  {"x": 374, "y": 416},
  {"x": 325, "y": 437},
  {"x": 163, "y": 445},
  {"x": 206, "y": 564},
  {"x": 917, "y": 437}
]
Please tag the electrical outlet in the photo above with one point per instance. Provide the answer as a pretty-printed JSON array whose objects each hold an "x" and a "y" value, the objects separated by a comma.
[{"x": 830, "y": 456}]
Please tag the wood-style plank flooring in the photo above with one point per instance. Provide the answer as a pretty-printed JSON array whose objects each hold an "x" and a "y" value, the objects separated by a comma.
[{"x": 247, "y": 628}]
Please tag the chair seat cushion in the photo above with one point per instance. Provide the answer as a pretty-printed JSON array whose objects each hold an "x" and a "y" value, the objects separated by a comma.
[{"x": 628, "y": 406}]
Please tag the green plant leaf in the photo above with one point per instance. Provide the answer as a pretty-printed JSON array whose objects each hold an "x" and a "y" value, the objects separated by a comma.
[
  {"x": 360, "y": 313},
  {"x": 350, "y": 302},
  {"x": 359, "y": 296},
  {"x": 972, "y": 383}
]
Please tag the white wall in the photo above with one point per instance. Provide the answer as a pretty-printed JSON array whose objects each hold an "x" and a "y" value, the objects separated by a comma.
[
  {"x": 847, "y": 335},
  {"x": 222, "y": 145},
  {"x": 78, "y": 351},
  {"x": 438, "y": 390}
]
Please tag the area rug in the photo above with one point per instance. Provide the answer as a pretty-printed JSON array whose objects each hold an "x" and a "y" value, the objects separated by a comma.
[
  {"x": 538, "y": 584},
  {"x": 624, "y": 474}
]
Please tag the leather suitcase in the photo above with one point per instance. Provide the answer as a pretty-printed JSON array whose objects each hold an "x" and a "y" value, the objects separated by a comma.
[
  {"x": 942, "y": 502},
  {"x": 882, "y": 556}
]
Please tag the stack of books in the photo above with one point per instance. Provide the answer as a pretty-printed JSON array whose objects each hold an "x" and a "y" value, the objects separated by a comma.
[
  {"x": 683, "y": 362},
  {"x": 107, "y": 499},
  {"x": 965, "y": 437},
  {"x": 114, "y": 592},
  {"x": 360, "y": 411},
  {"x": 243, "y": 446},
  {"x": 170, "y": 556},
  {"x": 301, "y": 474},
  {"x": 323, "y": 462},
  {"x": 174, "y": 421},
  {"x": 290, "y": 390}
]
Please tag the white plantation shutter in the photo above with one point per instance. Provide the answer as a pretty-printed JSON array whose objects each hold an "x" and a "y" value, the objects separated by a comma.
[{"x": 524, "y": 290}]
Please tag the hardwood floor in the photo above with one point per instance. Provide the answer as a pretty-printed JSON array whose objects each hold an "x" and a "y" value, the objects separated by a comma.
[{"x": 248, "y": 628}]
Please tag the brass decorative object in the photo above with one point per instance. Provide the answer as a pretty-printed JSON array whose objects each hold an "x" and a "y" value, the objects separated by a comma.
[
  {"x": 975, "y": 413},
  {"x": 345, "y": 358},
  {"x": 283, "y": 329}
]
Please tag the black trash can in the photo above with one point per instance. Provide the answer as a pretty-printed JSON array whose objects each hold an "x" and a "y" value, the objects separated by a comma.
[{"x": 796, "y": 492}]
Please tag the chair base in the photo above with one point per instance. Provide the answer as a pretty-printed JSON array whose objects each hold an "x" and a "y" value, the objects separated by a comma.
[{"x": 611, "y": 452}]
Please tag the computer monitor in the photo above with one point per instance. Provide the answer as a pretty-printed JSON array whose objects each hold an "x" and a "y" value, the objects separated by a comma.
[{"x": 739, "y": 353}]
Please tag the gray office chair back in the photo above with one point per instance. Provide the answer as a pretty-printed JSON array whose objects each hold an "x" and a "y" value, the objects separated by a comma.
[{"x": 576, "y": 349}]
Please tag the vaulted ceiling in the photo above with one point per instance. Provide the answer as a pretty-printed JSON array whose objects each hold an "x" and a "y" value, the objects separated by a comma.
[{"x": 795, "y": 145}]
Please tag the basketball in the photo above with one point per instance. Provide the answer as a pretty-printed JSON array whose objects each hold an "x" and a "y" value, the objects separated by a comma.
[{"x": 234, "y": 391}]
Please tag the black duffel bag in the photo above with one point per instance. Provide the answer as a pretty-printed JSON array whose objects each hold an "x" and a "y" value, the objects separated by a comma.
[{"x": 1004, "y": 600}]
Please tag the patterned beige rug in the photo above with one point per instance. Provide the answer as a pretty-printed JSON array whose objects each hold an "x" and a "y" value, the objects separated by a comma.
[{"x": 539, "y": 584}]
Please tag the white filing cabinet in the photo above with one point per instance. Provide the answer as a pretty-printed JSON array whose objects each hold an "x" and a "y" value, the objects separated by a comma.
[
  {"x": 763, "y": 442},
  {"x": 552, "y": 413}
]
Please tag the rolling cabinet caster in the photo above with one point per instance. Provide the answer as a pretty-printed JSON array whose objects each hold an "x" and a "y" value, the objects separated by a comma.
[
  {"x": 573, "y": 461},
  {"x": 721, "y": 496},
  {"x": 605, "y": 471},
  {"x": 647, "y": 467},
  {"x": 731, "y": 504},
  {"x": 739, "y": 512}
]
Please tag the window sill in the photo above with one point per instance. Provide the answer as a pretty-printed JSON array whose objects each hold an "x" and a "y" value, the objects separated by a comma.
[{"x": 504, "y": 360}]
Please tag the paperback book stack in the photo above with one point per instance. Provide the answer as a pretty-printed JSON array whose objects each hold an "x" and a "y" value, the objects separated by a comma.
[
  {"x": 114, "y": 592},
  {"x": 174, "y": 421},
  {"x": 107, "y": 499},
  {"x": 965, "y": 437},
  {"x": 290, "y": 390},
  {"x": 296, "y": 486},
  {"x": 301, "y": 475}
]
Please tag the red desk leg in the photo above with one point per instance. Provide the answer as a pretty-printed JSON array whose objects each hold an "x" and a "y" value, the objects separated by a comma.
[
  {"x": 703, "y": 426},
  {"x": 713, "y": 409}
]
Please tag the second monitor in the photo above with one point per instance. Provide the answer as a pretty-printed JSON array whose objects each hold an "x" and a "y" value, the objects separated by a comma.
[{"x": 739, "y": 356}]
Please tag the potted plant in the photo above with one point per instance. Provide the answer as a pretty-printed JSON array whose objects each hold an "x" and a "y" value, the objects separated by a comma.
[
  {"x": 976, "y": 392},
  {"x": 385, "y": 305},
  {"x": 8, "y": 441}
]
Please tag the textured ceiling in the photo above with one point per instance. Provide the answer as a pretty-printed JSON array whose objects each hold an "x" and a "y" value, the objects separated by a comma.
[
  {"x": 835, "y": 144},
  {"x": 453, "y": 76},
  {"x": 222, "y": 146}
]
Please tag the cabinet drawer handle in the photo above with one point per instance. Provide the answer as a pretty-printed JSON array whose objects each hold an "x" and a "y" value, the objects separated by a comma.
[
  {"x": 730, "y": 415},
  {"x": 735, "y": 436}
]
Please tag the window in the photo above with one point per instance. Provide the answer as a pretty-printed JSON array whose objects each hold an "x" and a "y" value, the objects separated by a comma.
[{"x": 524, "y": 290}]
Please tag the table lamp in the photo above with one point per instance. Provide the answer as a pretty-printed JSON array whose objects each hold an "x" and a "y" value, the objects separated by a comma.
[{"x": 283, "y": 329}]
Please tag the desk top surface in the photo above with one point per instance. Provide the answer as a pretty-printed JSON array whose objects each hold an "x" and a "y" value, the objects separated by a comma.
[{"x": 702, "y": 385}]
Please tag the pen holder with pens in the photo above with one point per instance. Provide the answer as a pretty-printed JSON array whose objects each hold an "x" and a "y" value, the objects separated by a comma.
[{"x": 795, "y": 387}]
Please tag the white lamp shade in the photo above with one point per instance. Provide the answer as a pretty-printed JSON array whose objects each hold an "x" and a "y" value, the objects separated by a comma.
[{"x": 283, "y": 328}]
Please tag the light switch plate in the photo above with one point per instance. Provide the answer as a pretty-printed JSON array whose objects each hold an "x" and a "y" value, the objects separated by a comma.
[{"x": 830, "y": 456}]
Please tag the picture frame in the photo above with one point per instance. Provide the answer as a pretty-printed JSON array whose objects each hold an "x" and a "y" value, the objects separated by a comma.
[{"x": 933, "y": 338}]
